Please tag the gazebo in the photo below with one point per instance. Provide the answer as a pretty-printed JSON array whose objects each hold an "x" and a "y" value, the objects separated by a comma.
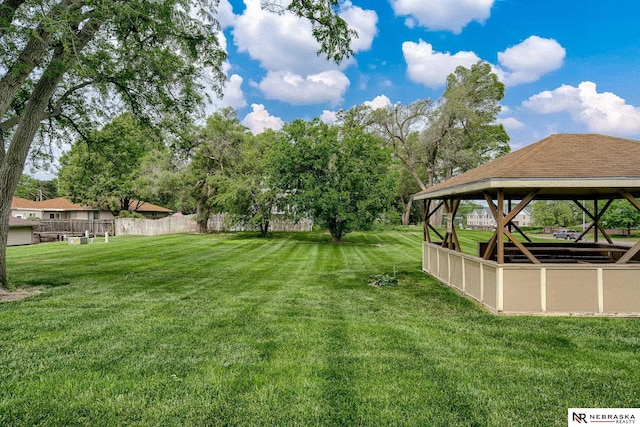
[{"x": 511, "y": 274}]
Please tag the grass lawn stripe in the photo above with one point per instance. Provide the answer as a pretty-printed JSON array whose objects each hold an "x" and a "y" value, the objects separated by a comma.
[{"x": 233, "y": 329}]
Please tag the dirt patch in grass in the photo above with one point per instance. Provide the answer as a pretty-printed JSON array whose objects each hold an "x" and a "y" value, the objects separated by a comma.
[{"x": 18, "y": 294}]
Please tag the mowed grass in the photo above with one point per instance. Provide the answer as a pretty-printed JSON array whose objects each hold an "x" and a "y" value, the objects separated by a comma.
[{"x": 233, "y": 329}]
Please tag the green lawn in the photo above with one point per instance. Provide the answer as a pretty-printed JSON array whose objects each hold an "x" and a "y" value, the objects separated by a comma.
[{"x": 239, "y": 330}]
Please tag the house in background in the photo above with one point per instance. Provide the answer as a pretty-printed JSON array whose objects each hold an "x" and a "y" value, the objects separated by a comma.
[
  {"x": 63, "y": 208},
  {"x": 482, "y": 219},
  {"x": 20, "y": 232}
]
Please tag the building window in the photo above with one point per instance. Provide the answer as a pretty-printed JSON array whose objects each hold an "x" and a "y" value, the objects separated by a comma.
[
  {"x": 54, "y": 216},
  {"x": 95, "y": 215}
]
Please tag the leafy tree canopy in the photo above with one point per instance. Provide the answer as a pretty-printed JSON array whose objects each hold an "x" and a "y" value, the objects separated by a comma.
[
  {"x": 102, "y": 170},
  {"x": 338, "y": 175},
  {"x": 35, "y": 189}
]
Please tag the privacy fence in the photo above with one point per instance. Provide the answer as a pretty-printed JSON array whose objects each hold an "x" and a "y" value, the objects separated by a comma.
[{"x": 187, "y": 224}]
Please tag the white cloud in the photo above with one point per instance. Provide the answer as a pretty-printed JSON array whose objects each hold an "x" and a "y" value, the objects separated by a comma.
[
  {"x": 324, "y": 87},
  {"x": 431, "y": 68},
  {"x": 260, "y": 120},
  {"x": 328, "y": 117},
  {"x": 224, "y": 14},
  {"x": 233, "y": 96},
  {"x": 529, "y": 60},
  {"x": 364, "y": 22},
  {"x": 380, "y": 101},
  {"x": 285, "y": 47},
  {"x": 278, "y": 42},
  {"x": 449, "y": 15},
  {"x": 600, "y": 112},
  {"x": 523, "y": 63},
  {"x": 511, "y": 123}
]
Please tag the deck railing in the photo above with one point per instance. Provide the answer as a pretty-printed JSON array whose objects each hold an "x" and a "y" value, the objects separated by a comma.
[{"x": 71, "y": 227}]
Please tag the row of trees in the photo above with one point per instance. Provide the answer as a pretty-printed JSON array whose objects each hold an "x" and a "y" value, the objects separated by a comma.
[
  {"x": 343, "y": 175},
  {"x": 620, "y": 214}
]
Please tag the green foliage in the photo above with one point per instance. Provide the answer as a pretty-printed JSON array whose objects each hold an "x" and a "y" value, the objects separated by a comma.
[
  {"x": 130, "y": 214},
  {"x": 35, "y": 189},
  {"x": 553, "y": 213},
  {"x": 329, "y": 29},
  {"x": 384, "y": 280},
  {"x": 338, "y": 175},
  {"x": 103, "y": 169},
  {"x": 621, "y": 214},
  {"x": 435, "y": 140},
  {"x": 467, "y": 119},
  {"x": 247, "y": 191},
  {"x": 212, "y": 152}
]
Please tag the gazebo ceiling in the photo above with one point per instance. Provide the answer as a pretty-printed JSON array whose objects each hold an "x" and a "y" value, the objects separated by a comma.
[{"x": 562, "y": 166}]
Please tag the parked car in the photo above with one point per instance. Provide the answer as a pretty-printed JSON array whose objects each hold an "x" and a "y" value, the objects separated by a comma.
[{"x": 566, "y": 234}]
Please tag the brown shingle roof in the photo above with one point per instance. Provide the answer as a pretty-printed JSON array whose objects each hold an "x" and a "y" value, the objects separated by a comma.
[
  {"x": 19, "y": 202},
  {"x": 64, "y": 204},
  {"x": 149, "y": 207},
  {"x": 586, "y": 163}
]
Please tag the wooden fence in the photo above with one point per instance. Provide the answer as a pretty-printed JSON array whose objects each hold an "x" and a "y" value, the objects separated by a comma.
[{"x": 56, "y": 229}]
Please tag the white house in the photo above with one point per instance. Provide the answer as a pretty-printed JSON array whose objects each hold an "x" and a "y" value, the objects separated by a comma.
[{"x": 482, "y": 219}]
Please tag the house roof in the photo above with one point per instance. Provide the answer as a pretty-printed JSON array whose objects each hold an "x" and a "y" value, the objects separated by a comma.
[
  {"x": 149, "y": 207},
  {"x": 20, "y": 203},
  {"x": 561, "y": 166},
  {"x": 64, "y": 204}
]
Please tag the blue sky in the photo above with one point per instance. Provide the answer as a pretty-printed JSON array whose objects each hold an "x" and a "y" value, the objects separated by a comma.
[{"x": 568, "y": 65}]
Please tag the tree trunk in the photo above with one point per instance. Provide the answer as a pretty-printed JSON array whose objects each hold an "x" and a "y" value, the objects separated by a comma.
[
  {"x": 407, "y": 211},
  {"x": 13, "y": 160},
  {"x": 264, "y": 228}
]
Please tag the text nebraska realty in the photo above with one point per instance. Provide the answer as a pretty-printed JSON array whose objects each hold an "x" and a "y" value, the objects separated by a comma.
[{"x": 604, "y": 418}]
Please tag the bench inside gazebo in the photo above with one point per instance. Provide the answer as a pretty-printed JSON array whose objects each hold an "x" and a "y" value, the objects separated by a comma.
[{"x": 512, "y": 274}]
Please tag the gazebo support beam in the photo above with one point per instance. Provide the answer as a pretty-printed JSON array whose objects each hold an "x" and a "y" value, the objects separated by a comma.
[
  {"x": 595, "y": 218},
  {"x": 502, "y": 220},
  {"x": 635, "y": 248},
  {"x": 450, "y": 238},
  {"x": 427, "y": 223}
]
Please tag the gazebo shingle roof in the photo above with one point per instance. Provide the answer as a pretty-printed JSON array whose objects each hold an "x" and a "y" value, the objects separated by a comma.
[{"x": 562, "y": 164}]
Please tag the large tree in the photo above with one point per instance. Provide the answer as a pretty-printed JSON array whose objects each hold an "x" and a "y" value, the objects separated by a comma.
[
  {"x": 434, "y": 140},
  {"x": 211, "y": 152},
  {"x": 248, "y": 193},
  {"x": 337, "y": 175},
  {"x": 66, "y": 64},
  {"x": 102, "y": 170}
]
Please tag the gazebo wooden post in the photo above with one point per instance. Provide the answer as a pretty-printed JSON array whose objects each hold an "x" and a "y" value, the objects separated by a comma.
[
  {"x": 500, "y": 227},
  {"x": 451, "y": 238},
  {"x": 426, "y": 204},
  {"x": 595, "y": 221},
  {"x": 635, "y": 248},
  {"x": 427, "y": 222},
  {"x": 595, "y": 213},
  {"x": 502, "y": 219}
]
